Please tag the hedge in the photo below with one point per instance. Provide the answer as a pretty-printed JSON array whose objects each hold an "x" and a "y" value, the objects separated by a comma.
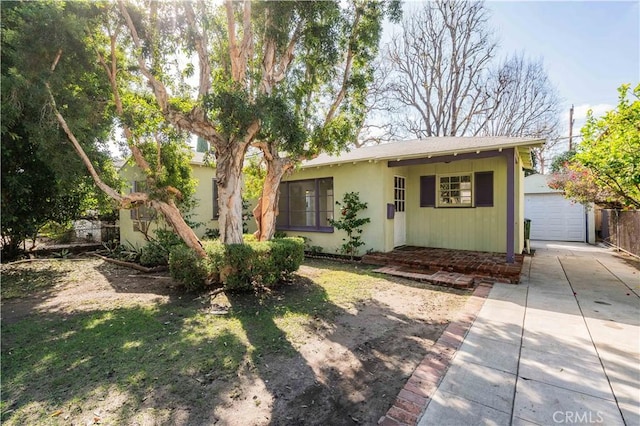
[{"x": 238, "y": 267}]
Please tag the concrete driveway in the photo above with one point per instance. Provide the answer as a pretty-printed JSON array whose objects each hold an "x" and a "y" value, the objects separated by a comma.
[{"x": 563, "y": 347}]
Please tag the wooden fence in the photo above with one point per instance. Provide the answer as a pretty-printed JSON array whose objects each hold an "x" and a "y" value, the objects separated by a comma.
[{"x": 622, "y": 229}]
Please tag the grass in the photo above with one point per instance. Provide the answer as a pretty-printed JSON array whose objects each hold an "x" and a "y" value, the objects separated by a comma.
[{"x": 59, "y": 367}]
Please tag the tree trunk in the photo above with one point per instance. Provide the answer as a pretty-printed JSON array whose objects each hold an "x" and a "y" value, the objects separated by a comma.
[
  {"x": 168, "y": 209},
  {"x": 266, "y": 211},
  {"x": 229, "y": 180},
  {"x": 173, "y": 217}
]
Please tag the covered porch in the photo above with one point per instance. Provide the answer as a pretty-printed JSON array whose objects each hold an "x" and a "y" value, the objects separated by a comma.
[{"x": 454, "y": 268}]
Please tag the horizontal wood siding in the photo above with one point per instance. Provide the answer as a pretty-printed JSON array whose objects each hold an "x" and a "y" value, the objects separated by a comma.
[{"x": 481, "y": 228}]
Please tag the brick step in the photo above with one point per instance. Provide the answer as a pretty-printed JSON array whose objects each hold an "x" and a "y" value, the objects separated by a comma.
[
  {"x": 482, "y": 266},
  {"x": 442, "y": 278}
]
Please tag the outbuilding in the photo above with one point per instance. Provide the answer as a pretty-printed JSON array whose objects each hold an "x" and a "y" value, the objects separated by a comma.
[{"x": 554, "y": 217}]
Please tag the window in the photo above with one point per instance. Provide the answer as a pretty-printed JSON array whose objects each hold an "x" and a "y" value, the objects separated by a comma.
[
  {"x": 455, "y": 190},
  {"x": 141, "y": 215},
  {"x": 306, "y": 205},
  {"x": 399, "y": 192},
  {"x": 216, "y": 207}
]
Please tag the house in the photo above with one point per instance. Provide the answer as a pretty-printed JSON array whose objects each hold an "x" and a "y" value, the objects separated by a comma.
[
  {"x": 141, "y": 221},
  {"x": 553, "y": 217},
  {"x": 446, "y": 192}
]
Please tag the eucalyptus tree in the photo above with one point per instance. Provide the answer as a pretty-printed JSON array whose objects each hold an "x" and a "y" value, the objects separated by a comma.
[
  {"x": 318, "y": 63},
  {"x": 285, "y": 77}
]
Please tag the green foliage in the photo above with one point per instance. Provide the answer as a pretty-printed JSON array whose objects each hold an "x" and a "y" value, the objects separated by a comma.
[
  {"x": 246, "y": 215},
  {"x": 605, "y": 169},
  {"x": 173, "y": 170},
  {"x": 156, "y": 251},
  {"x": 238, "y": 267},
  {"x": 350, "y": 208},
  {"x": 561, "y": 161},
  {"x": 610, "y": 148},
  {"x": 280, "y": 234},
  {"x": 261, "y": 264},
  {"x": 188, "y": 268},
  {"x": 212, "y": 233},
  {"x": 42, "y": 177},
  {"x": 229, "y": 106},
  {"x": 254, "y": 173}
]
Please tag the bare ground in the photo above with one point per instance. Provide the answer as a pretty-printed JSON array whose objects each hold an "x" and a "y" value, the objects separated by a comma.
[{"x": 344, "y": 371}]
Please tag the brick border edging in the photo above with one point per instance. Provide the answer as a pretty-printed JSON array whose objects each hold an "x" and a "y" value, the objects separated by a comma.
[{"x": 416, "y": 394}]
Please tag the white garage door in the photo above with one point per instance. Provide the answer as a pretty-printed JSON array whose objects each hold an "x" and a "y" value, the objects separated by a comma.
[{"x": 554, "y": 218}]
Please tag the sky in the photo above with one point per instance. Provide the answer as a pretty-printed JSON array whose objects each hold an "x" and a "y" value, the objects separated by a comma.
[{"x": 589, "y": 48}]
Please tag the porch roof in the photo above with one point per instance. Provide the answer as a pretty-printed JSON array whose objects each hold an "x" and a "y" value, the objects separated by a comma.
[{"x": 428, "y": 147}]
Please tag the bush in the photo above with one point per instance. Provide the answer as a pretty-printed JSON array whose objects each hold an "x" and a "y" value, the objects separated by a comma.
[
  {"x": 187, "y": 268},
  {"x": 262, "y": 264},
  {"x": 156, "y": 251},
  {"x": 212, "y": 233},
  {"x": 287, "y": 255},
  {"x": 238, "y": 267}
]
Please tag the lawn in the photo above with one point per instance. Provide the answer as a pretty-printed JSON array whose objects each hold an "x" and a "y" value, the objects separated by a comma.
[{"x": 84, "y": 341}]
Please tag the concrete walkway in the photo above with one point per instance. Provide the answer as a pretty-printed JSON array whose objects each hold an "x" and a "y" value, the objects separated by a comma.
[{"x": 563, "y": 347}]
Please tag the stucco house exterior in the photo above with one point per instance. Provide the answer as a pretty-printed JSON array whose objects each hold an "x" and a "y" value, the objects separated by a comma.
[
  {"x": 136, "y": 222},
  {"x": 447, "y": 192}
]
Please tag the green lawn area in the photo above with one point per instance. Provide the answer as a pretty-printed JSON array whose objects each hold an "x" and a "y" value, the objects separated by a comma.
[{"x": 117, "y": 364}]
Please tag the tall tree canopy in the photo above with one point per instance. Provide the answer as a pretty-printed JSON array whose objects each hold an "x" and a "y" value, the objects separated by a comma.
[
  {"x": 42, "y": 179},
  {"x": 286, "y": 77},
  {"x": 444, "y": 79},
  {"x": 606, "y": 166}
]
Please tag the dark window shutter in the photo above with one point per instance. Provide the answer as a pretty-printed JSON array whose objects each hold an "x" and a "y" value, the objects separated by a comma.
[
  {"x": 428, "y": 191},
  {"x": 484, "y": 189},
  {"x": 216, "y": 208}
]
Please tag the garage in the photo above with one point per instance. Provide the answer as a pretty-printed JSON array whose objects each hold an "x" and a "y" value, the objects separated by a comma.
[{"x": 553, "y": 217}]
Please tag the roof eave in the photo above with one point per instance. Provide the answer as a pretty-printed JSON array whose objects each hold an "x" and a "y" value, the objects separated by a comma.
[{"x": 534, "y": 143}]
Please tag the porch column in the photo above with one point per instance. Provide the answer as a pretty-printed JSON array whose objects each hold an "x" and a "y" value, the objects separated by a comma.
[{"x": 511, "y": 204}]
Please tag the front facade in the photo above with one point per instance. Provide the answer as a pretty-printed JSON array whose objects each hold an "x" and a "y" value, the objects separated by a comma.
[{"x": 456, "y": 193}]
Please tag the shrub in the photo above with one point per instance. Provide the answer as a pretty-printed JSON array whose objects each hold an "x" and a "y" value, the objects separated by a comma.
[
  {"x": 239, "y": 267},
  {"x": 156, "y": 251},
  {"x": 349, "y": 222},
  {"x": 287, "y": 254},
  {"x": 188, "y": 268},
  {"x": 212, "y": 233}
]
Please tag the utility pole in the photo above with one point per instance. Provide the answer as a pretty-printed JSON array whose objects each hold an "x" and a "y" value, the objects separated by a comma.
[{"x": 571, "y": 121}]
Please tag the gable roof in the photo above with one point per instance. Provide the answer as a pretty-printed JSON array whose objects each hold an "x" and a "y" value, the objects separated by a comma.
[{"x": 428, "y": 147}]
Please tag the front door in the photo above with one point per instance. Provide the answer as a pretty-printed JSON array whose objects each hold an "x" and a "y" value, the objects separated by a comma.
[{"x": 399, "y": 223}]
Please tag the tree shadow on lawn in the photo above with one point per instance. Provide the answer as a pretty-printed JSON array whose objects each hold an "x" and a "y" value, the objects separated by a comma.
[
  {"x": 26, "y": 286},
  {"x": 351, "y": 373},
  {"x": 120, "y": 366},
  {"x": 174, "y": 363}
]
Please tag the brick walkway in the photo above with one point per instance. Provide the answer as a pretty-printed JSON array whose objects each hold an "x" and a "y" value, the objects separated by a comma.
[
  {"x": 489, "y": 267},
  {"x": 446, "y": 279},
  {"x": 415, "y": 396}
]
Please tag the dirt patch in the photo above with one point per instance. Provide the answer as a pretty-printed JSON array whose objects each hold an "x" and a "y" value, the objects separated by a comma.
[
  {"x": 83, "y": 284},
  {"x": 344, "y": 369}
]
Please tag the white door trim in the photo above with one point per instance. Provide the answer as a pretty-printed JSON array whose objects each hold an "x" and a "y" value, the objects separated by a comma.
[{"x": 400, "y": 219}]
